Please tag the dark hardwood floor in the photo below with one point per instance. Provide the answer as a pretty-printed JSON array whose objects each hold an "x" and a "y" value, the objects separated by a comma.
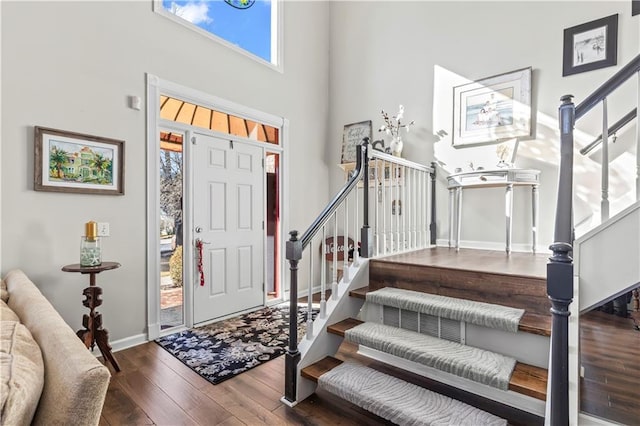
[
  {"x": 609, "y": 349},
  {"x": 488, "y": 261},
  {"x": 156, "y": 388}
]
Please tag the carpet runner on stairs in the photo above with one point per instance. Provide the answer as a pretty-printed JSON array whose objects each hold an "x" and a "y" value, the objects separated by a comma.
[
  {"x": 461, "y": 360},
  {"x": 469, "y": 311},
  {"x": 398, "y": 401}
]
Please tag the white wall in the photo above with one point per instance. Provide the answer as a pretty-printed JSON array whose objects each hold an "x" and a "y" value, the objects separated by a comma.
[
  {"x": 388, "y": 53},
  {"x": 70, "y": 66}
]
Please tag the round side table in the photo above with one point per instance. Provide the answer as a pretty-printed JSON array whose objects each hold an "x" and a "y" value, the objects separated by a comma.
[{"x": 93, "y": 333}]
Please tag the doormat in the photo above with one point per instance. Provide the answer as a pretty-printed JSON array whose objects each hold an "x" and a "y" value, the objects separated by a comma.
[{"x": 225, "y": 349}]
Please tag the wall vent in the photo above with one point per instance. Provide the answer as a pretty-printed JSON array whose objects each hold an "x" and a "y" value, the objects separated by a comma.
[{"x": 430, "y": 325}]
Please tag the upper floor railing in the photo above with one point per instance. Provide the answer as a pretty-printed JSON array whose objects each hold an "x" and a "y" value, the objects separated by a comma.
[
  {"x": 560, "y": 267},
  {"x": 387, "y": 205}
]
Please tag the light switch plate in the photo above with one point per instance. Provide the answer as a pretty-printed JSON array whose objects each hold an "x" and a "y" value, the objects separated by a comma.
[{"x": 103, "y": 229}]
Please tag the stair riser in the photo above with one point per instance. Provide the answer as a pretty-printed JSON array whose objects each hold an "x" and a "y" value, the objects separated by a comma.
[
  {"x": 527, "y": 348},
  {"x": 519, "y": 292}
]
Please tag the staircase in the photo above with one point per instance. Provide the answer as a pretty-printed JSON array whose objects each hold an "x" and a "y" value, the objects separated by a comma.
[
  {"x": 410, "y": 323},
  {"x": 414, "y": 335}
]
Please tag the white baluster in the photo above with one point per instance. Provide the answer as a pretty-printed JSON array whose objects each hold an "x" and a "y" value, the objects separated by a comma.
[
  {"x": 334, "y": 253},
  {"x": 397, "y": 201},
  {"x": 384, "y": 206},
  {"x": 356, "y": 233},
  {"x": 323, "y": 275},
  {"x": 345, "y": 244},
  {"x": 416, "y": 201},
  {"x": 604, "y": 204},
  {"x": 310, "y": 294},
  {"x": 377, "y": 199},
  {"x": 403, "y": 209}
]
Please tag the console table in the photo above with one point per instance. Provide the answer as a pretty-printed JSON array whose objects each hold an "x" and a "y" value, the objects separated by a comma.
[
  {"x": 507, "y": 178},
  {"x": 94, "y": 334}
]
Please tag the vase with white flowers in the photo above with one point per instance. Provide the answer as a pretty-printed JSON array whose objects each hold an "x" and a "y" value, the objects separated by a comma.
[{"x": 392, "y": 126}]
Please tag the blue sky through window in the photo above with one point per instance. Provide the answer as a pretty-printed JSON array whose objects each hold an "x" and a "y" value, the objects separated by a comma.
[{"x": 249, "y": 28}]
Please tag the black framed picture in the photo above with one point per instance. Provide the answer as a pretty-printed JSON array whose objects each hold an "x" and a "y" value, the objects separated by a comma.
[
  {"x": 590, "y": 46},
  {"x": 635, "y": 7}
]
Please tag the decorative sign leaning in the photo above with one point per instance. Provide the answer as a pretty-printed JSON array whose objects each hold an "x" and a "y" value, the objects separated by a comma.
[
  {"x": 590, "y": 46},
  {"x": 73, "y": 162},
  {"x": 492, "y": 109},
  {"x": 330, "y": 248},
  {"x": 352, "y": 135}
]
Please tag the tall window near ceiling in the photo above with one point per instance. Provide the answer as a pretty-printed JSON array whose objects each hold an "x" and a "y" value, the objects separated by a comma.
[{"x": 249, "y": 25}]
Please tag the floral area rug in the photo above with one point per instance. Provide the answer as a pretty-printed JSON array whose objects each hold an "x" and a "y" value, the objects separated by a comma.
[{"x": 222, "y": 350}]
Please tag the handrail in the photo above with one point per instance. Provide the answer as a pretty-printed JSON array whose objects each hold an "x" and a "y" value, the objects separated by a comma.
[
  {"x": 294, "y": 249},
  {"x": 333, "y": 205},
  {"x": 399, "y": 161},
  {"x": 614, "y": 128},
  {"x": 410, "y": 232},
  {"x": 608, "y": 87}
]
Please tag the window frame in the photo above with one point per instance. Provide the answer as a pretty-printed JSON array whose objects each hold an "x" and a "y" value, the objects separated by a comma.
[{"x": 276, "y": 34}]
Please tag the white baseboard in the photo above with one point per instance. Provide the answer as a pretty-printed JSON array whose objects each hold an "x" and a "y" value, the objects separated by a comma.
[
  {"x": 127, "y": 342},
  {"x": 154, "y": 331}
]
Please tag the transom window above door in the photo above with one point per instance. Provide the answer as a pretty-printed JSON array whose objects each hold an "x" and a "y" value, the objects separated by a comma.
[
  {"x": 197, "y": 115},
  {"x": 243, "y": 25}
]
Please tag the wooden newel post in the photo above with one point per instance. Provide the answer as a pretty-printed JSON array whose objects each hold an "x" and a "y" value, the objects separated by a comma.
[
  {"x": 560, "y": 272},
  {"x": 292, "y": 357}
]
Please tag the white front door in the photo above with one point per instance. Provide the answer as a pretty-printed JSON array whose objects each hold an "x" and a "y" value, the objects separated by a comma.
[{"x": 228, "y": 218}]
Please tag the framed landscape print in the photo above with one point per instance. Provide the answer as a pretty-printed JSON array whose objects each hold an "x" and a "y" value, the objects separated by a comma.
[
  {"x": 492, "y": 109},
  {"x": 74, "y": 162},
  {"x": 590, "y": 46}
]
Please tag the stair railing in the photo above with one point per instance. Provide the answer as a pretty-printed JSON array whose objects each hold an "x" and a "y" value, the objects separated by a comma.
[
  {"x": 600, "y": 95},
  {"x": 628, "y": 117},
  {"x": 560, "y": 266},
  {"x": 401, "y": 193}
]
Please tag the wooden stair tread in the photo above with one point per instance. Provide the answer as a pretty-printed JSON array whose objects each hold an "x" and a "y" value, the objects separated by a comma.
[
  {"x": 529, "y": 380},
  {"x": 535, "y": 324},
  {"x": 340, "y": 327},
  {"x": 317, "y": 369},
  {"x": 526, "y": 379},
  {"x": 360, "y": 293}
]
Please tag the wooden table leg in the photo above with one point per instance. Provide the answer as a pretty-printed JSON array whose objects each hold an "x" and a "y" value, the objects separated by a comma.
[
  {"x": 102, "y": 340},
  {"x": 94, "y": 334}
]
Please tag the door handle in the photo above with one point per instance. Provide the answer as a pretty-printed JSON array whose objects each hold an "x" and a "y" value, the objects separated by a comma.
[{"x": 198, "y": 229}]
